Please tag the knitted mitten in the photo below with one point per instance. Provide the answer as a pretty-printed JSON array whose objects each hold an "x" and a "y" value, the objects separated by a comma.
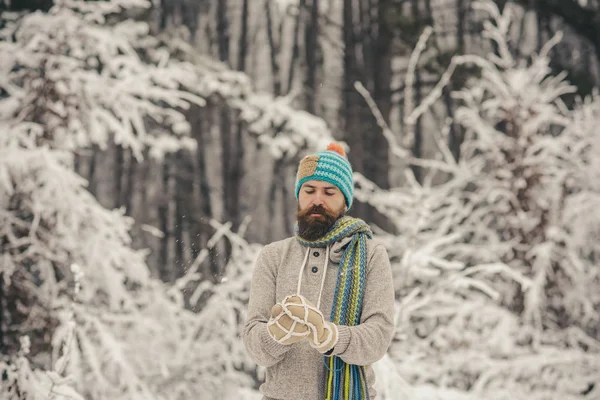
[
  {"x": 324, "y": 334},
  {"x": 284, "y": 329}
]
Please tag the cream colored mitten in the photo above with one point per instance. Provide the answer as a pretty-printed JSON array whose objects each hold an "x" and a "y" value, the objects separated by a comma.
[
  {"x": 323, "y": 334},
  {"x": 284, "y": 329}
]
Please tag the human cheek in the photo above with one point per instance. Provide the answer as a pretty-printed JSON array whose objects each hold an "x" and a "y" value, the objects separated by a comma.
[{"x": 305, "y": 200}]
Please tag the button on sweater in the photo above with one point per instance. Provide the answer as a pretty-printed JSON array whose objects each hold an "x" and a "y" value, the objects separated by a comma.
[{"x": 297, "y": 371}]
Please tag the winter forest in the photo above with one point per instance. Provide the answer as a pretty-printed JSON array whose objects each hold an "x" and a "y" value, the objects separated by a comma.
[{"x": 148, "y": 151}]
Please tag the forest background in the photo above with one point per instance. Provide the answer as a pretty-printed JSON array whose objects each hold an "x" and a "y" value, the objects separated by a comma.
[{"x": 149, "y": 150}]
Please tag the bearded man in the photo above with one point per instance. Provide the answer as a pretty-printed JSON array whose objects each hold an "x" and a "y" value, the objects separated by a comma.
[{"x": 321, "y": 307}]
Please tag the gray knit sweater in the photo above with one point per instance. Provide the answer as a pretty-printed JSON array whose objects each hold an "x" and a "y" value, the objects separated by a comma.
[{"x": 297, "y": 371}]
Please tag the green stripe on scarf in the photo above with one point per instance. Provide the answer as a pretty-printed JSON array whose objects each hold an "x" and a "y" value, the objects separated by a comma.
[{"x": 346, "y": 381}]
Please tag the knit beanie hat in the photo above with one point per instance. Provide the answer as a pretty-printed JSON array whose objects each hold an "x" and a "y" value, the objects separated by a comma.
[{"x": 331, "y": 166}]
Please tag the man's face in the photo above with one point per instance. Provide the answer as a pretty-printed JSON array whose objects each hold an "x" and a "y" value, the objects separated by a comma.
[{"x": 320, "y": 204}]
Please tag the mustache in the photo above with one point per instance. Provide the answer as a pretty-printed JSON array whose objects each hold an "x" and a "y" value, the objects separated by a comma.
[{"x": 313, "y": 210}]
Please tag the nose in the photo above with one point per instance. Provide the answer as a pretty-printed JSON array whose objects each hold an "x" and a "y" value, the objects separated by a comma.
[{"x": 317, "y": 200}]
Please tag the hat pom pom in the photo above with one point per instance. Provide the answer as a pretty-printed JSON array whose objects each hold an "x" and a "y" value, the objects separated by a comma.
[{"x": 336, "y": 147}]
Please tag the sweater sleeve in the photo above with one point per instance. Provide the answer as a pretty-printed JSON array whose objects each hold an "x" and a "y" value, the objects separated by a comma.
[
  {"x": 368, "y": 342},
  {"x": 261, "y": 347}
]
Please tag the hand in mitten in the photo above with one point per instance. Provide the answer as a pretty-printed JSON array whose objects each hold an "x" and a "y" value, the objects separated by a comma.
[
  {"x": 284, "y": 329},
  {"x": 324, "y": 334}
]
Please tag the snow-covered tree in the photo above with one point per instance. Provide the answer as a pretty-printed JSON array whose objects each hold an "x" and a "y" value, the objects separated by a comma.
[
  {"x": 495, "y": 263},
  {"x": 272, "y": 121},
  {"x": 211, "y": 355},
  {"x": 81, "y": 314},
  {"x": 69, "y": 80}
]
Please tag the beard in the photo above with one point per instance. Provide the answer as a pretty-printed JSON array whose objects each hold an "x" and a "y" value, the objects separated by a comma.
[{"x": 312, "y": 228}]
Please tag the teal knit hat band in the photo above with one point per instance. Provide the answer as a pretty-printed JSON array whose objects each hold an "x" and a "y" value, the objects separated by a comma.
[{"x": 330, "y": 166}]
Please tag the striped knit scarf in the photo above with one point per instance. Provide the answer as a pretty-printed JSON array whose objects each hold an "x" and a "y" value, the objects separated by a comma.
[{"x": 346, "y": 381}]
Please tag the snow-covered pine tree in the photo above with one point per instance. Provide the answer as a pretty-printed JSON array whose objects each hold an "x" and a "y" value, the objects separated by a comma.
[{"x": 495, "y": 263}]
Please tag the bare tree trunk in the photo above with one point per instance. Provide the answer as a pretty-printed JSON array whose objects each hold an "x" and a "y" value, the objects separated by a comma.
[
  {"x": 579, "y": 17},
  {"x": 130, "y": 186},
  {"x": 163, "y": 216},
  {"x": 354, "y": 116},
  {"x": 119, "y": 172},
  {"x": 237, "y": 163},
  {"x": 416, "y": 150},
  {"x": 2, "y": 308},
  {"x": 295, "y": 45},
  {"x": 461, "y": 19},
  {"x": 288, "y": 213},
  {"x": 274, "y": 48},
  {"x": 230, "y": 201},
  {"x": 179, "y": 256},
  {"x": 224, "y": 117},
  {"x": 417, "y": 143},
  {"x": 76, "y": 162},
  {"x": 313, "y": 58},
  {"x": 455, "y": 136},
  {"x": 351, "y": 102},
  {"x": 198, "y": 237},
  {"x": 275, "y": 182},
  {"x": 243, "y": 46},
  {"x": 377, "y": 164},
  {"x": 369, "y": 42},
  {"x": 189, "y": 16},
  {"x": 204, "y": 212},
  {"x": 183, "y": 191},
  {"x": 376, "y": 47},
  {"x": 278, "y": 166},
  {"x": 167, "y": 9},
  {"x": 92, "y": 188},
  {"x": 223, "y": 31},
  {"x": 144, "y": 177}
]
